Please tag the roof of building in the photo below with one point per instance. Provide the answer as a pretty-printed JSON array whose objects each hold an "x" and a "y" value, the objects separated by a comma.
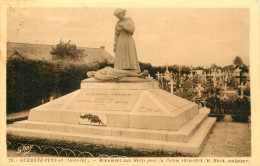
[{"x": 42, "y": 52}]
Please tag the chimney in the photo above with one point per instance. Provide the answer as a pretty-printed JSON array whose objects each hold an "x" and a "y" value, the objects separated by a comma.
[{"x": 103, "y": 47}]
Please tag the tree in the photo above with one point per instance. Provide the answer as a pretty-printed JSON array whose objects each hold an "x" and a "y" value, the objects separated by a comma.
[
  {"x": 213, "y": 66},
  {"x": 66, "y": 51},
  {"x": 238, "y": 61},
  {"x": 228, "y": 67}
]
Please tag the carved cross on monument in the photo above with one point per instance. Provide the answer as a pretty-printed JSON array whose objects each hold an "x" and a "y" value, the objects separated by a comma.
[{"x": 242, "y": 87}]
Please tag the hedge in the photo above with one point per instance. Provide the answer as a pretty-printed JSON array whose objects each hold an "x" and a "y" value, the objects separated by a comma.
[
  {"x": 240, "y": 107},
  {"x": 29, "y": 81}
]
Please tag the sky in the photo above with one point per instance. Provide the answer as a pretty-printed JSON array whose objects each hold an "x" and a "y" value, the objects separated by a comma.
[{"x": 184, "y": 36}]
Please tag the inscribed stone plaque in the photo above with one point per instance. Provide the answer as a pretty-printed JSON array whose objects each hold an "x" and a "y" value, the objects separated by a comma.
[{"x": 109, "y": 100}]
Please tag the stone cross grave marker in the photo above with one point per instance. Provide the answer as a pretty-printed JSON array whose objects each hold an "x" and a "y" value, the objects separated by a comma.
[
  {"x": 242, "y": 87},
  {"x": 214, "y": 78},
  {"x": 185, "y": 76},
  {"x": 149, "y": 77},
  {"x": 214, "y": 81},
  {"x": 237, "y": 71},
  {"x": 174, "y": 76},
  {"x": 204, "y": 77},
  {"x": 158, "y": 75},
  {"x": 190, "y": 76},
  {"x": 179, "y": 71},
  {"x": 225, "y": 91},
  {"x": 199, "y": 88},
  {"x": 219, "y": 71},
  {"x": 240, "y": 75},
  {"x": 172, "y": 83},
  {"x": 167, "y": 74},
  {"x": 160, "y": 78}
]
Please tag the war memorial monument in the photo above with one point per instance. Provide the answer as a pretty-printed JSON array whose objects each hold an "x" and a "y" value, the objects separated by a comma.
[{"x": 120, "y": 107}]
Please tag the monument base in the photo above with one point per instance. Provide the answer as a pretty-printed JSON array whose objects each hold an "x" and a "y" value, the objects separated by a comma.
[{"x": 123, "y": 114}]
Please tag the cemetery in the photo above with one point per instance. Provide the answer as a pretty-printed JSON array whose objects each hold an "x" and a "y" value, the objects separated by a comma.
[
  {"x": 211, "y": 89},
  {"x": 83, "y": 102},
  {"x": 215, "y": 94}
]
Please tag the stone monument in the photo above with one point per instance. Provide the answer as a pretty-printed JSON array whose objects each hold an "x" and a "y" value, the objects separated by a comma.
[{"x": 121, "y": 108}]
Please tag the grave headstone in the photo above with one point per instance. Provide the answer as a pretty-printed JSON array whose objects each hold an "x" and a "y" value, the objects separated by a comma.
[
  {"x": 199, "y": 89},
  {"x": 158, "y": 75},
  {"x": 149, "y": 77},
  {"x": 242, "y": 88},
  {"x": 214, "y": 79},
  {"x": 167, "y": 74},
  {"x": 172, "y": 84}
]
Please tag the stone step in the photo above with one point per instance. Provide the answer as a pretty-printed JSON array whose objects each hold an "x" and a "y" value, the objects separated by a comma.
[
  {"x": 193, "y": 146},
  {"x": 181, "y": 135}
]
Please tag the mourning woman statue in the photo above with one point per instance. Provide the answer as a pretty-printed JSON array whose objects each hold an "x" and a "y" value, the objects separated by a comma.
[{"x": 124, "y": 45}]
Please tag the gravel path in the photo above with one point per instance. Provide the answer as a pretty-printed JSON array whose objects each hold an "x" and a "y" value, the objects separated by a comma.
[{"x": 229, "y": 139}]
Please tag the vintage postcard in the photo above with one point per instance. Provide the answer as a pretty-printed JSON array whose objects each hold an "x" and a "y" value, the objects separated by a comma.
[{"x": 129, "y": 82}]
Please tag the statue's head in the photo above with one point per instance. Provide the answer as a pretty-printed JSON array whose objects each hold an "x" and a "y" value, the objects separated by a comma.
[
  {"x": 120, "y": 13},
  {"x": 91, "y": 73}
]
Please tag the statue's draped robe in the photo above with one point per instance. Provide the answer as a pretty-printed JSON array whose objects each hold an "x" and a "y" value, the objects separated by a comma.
[{"x": 125, "y": 55}]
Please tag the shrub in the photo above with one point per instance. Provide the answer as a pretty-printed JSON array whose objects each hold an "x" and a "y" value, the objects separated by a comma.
[
  {"x": 214, "y": 103},
  {"x": 240, "y": 118},
  {"x": 66, "y": 51},
  {"x": 219, "y": 117},
  {"x": 29, "y": 81},
  {"x": 237, "y": 106},
  {"x": 242, "y": 107}
]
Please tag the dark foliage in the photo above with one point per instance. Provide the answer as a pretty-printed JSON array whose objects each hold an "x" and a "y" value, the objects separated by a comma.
[
  {"x": 92, "y": 118},
  {"x": 219, "y": 117},
  {"x": 235, "y": 107},
  {"x": 66, "y": 51},
  {"x": 29, "y": 81},
  {"x": 161, "y": 69},
  {"x": 10, "y": 121},
  {"x": 239, "y": 118}
]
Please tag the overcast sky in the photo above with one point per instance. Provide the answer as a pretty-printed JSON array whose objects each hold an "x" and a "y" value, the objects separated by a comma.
[{"x": 185, "y": 36}]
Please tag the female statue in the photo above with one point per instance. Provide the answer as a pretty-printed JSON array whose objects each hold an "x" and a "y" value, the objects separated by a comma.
[{"x": 124, "y": 45}]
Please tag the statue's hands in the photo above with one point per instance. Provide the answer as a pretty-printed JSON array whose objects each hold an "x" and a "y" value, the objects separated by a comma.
[{"x": 120, "y": 27}]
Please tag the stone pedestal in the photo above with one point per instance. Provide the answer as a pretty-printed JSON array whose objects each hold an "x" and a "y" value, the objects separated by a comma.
[{"x": 131, "y": 112}]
